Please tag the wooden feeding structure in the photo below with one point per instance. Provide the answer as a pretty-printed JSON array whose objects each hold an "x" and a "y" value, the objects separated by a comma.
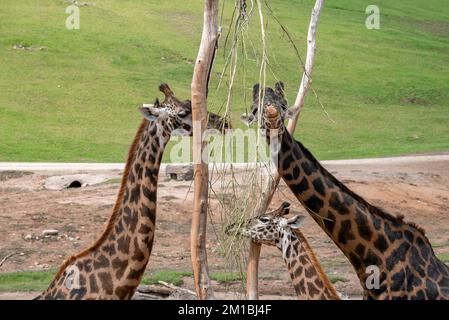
[{"x": 199, "y": 90}]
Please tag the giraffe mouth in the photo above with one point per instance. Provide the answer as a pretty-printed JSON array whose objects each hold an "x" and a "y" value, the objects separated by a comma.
[{"x": 272, "y": 117}]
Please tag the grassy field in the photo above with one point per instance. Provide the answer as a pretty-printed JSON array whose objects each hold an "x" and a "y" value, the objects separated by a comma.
[
  {"x": 40, "y": 280},
  {"x": 74, "y": 97}
]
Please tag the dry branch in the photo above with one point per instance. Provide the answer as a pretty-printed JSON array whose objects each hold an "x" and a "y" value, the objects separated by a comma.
[
  {"x": 155, "y": 290},
  {"x": 201, "y": 171},
  {"x": 176, "y": 288},
  {"x": 6, "y": 258},
  {"x": 270, "y": 188}
]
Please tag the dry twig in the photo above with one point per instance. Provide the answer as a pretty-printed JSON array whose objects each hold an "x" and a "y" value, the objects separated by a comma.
[{"x": 6, "y": 258}]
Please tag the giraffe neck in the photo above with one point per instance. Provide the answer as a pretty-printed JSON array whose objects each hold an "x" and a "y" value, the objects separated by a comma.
[
  {"x": 308, "y": 278},
  {"x": 376, "y": 243},
  {"x": 113, "y": 266}
]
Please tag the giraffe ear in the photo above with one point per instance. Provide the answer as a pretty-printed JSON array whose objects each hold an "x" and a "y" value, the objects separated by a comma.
[
  {"x": 149, "y": 112},
  {"x": 256, "y": 89},
  {"x": 296, "y": 221},
  {"x": 247, "y": 119},
  {"x": 279, "y": 89}
]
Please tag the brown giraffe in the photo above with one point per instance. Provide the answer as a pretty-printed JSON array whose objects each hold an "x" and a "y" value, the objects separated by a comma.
[
  {"x": 274, "y": 229},
  {"x": 378, "y": 244},
  {"x": 112, "y": 267}
]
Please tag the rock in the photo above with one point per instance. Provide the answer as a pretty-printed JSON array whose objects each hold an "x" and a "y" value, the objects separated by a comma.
[
  {"x": 28, "y": 237},
  {"x": 179, "y": 172},
  {"x": 50, "y": 232},
  {"x": 73, "y": 181}
]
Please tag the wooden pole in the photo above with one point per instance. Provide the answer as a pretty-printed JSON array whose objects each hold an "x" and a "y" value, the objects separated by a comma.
[
  {"x": 270, "y": 188},
  {"x": 201, "y": 172}
]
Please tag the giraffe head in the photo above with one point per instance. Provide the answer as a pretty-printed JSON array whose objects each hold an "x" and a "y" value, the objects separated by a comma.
[
  {"x": 274, "y": 106},
  {"x": 272, "y": 227},
  {"x": 174, "y": 116}
]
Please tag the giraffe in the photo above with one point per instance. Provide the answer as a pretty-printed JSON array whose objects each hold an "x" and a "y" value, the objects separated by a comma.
[
  {"x": 273, "y": 229},
  {"x": 112, "y": 267},
  {"x": 393, "y": 259}
]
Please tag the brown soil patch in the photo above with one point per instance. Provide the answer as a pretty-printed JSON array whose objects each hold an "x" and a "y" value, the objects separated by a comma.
[{"x": 418, "y": 191}]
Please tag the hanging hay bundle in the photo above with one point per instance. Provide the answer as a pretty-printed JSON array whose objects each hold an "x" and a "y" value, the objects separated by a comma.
[{"x": 244, "y": 191}]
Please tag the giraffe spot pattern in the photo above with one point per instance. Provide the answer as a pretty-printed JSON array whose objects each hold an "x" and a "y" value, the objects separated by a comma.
[
  {"x": 138, "y": 254},
  {"x": 93, "y": 284},
  {"x": 135, "y": 194},
  {"x": 144, "y": 229},
  {"x": 397, "y": 255},
  {"x": 345, "y": 234},
  {"x": 319, "y": 186},
  {"x": 120, "y": 267},
  {"x": 124, "y": 292},
  {"x": 109, "y": 249},
  {"x": 299, "y": 188},
  {"x": 308, "y": 168},
  {"x": 135, "y": 274},
  {"x": 362, "y": 225},
  {"x": 149, "y": 195},
  {"x": 287, "y": 162},
  {"x": 337, "y": 205},
  {"x": 329, "y": 222},
  {"x": 106, "y": 282},
  {"x": 148, "y": 213},
  {"x": 312, "y": 289},
  {"x": 360, "y": 250},
  {"x": 101, "y": 262},
  {"x": 381, "y": 243},
  {"x": 314, "y": 203},
  {"x": 123, "y": 244},
  {"x": 391, "y": 234}
]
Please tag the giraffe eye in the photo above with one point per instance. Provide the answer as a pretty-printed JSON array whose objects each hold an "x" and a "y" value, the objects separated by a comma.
[
  {"x": 183, "y": 114},
  {"x": 264, "y": 219}
]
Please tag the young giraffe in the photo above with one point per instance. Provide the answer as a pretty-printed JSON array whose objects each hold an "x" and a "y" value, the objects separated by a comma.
[
  {"x": 273, "y": 229},
  {"x": 378, "y": 244},
  {"x": 112, "y": 267}
]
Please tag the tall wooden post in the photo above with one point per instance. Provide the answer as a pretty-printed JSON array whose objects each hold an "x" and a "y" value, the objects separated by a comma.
[
  {"x": 201, "y": 171},
  {"x": 270, "y": 188}
]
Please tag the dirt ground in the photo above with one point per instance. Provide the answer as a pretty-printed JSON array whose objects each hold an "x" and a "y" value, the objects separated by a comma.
[{"x": 418, "y": 190}]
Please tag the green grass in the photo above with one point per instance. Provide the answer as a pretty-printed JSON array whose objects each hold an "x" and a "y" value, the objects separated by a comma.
[
  {"x": 174, "y": 277},
  {"x": 26, "y": 280},
  {"x": 440, "y": 245},
  {"x": 387, "y": 89},
  {"x": 225, "y": 276},
  {"x": 39, "y": 280},
  {"x": 334, "y": 279},
  {"x": 443, "y": 257}
]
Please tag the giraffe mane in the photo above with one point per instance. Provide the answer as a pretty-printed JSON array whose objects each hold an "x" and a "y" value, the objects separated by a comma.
[
  {"x": 315, "y": 261},
  {"x": 116, "y": 209},
  {"x": 371, "y": 208}
]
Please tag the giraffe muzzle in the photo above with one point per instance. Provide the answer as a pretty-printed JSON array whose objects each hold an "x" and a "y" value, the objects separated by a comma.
[{"x": 272, "y": 117}]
